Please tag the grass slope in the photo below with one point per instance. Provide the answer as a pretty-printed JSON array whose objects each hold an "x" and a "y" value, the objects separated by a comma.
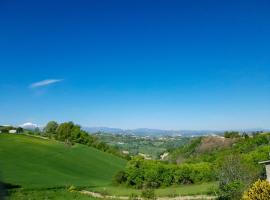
[
  {"x": 193, "y": 189},
  {"x": 40, "y": 163}
]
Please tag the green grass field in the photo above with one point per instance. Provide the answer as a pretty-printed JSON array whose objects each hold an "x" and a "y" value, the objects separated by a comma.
[
  {"x": 194, "y": 189},
  {"x": 59, "y": 194},
  {"x": 40, "y": 163},
  {"x": 45, "y": 169}
]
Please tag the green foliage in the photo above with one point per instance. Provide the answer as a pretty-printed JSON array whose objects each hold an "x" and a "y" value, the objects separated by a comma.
[
  {"x": 152, "y": 146},
  {"x": 133, "y": 196},
  {"x": 70, "y": 133},
  {"x": 185, "y": 151},
  {"x": 153, "y": 174},
  {"x": 148, "y": 194},
  {"x": 20, "y": 130},
  {"x": 234, "y": 177},
  {"x": 231, "y": 134},
  {"x": 251, "y": 150},
  {"x": 231, "y": 191},
  {"x": 6, "y": 129},
  {"x": 67, "y": 132},
  {"x": 50, "y": 129},
  {"x": 234, "y": 173},
  {"x": 260, "y": 190},
  {"x": 120, "y": 177}
]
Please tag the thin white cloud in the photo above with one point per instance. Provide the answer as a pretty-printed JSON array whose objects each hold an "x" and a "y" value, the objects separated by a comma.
[{"x": 45, "y": 82}]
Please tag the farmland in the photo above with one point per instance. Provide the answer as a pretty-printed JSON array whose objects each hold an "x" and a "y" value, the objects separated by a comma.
[
  {"x": 38, "y": 167},
  {"x": 35, "y": 163}
]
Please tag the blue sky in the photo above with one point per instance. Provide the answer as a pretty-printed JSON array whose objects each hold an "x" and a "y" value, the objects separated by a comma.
[{"x": 130, "y": 64}]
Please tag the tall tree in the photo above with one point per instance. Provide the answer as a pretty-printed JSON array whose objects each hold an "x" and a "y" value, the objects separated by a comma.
[
  {"x": 50, "y": 129},
  {"x": 65, "y": 132}
]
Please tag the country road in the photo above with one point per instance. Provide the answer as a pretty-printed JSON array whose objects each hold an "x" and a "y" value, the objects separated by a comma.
[{"x": 195, "y": 197}]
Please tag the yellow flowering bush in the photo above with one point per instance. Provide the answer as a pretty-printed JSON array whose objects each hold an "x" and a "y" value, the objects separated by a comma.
[{"x": 260, "y": 190}]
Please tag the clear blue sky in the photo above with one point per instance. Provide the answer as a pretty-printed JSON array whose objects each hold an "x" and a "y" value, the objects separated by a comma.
[{"x": 157, "y": 64}]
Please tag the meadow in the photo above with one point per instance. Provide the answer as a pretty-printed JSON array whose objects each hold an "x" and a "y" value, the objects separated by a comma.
[
  {"x": 44, "y": 168},
  {"x": 33, "y": 163},
  {"x": 192, "y": 189}
]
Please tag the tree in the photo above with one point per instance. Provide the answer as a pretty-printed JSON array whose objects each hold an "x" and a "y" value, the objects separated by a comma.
[
  {"x": 234, "y": 177},
  {"x": 37, "y": 131},
  {"x": 64, "y": 132},
  {"x": 245, "y": 135},
  {"x": 20, "y": 130},
  {"x": 231, "y": 134},
  {"x": 5, "y": 129},
  {"x": 50, "y": 129},
  {"x": 120, "y": 177}
]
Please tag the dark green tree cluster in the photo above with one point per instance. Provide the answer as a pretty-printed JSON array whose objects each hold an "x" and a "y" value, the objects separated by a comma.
[
  {"x": 141, "y": 173},
  {"x": 70, "y": 133},
  {"x": 6, "y": 129},
  {"x": 50, "y": 129},
  {"x": 232, "y": 134}
]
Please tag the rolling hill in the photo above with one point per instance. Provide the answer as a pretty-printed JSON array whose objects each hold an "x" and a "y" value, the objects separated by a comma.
[{"x": 33, "y": 162}]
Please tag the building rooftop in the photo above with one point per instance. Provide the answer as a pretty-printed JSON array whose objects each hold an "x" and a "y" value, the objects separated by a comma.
[{"x": 265, "y": 162}]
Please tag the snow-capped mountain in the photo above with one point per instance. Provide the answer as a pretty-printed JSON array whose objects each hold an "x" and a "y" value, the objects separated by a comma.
[{"x": 29, "y": 126}]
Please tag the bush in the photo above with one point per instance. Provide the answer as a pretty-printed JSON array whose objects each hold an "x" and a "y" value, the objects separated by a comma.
[
  {"x": 148, "y": 194},
  {"x": 259, "y": 190},
  {"x": 231, "y": 134},
  {"x": 133, "y": 196},
  {"x": 231, "y": 191},
  {"x": 234, "y": 178},
  {"x": 120, "y": 177},
  {"x": 140, "y": 173}
]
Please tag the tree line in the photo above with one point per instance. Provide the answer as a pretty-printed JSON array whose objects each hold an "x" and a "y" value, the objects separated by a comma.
[
  {"x": 141, "y": 173},
  {"x": 70, "y": 133}
]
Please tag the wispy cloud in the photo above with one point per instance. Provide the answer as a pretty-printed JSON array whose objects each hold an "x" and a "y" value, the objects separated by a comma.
[{"x": 45, "y": 82}]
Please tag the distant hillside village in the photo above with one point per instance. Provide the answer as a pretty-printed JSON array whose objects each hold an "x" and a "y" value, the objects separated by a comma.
[{"x": 15, "y": 130}]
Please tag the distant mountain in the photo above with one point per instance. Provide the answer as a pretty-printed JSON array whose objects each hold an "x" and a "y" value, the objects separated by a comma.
[
  {"x": 29, "y": 126},
  {"x": 103, "y": 129},
  {"x": 160, "y": 132},
  {"x": 148, "y": 131}
]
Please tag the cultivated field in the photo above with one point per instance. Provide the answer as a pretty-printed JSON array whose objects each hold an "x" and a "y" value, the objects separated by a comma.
[{"x": 39, "y": 164}]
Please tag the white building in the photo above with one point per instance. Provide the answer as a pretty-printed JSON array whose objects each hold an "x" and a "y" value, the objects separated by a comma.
[
  {"x": 12, "y": 131},
  {"x": 267, "y": 167}
]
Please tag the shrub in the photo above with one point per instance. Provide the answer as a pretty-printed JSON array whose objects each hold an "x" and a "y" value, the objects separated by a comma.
[
  {"x": 231, "y": 134},
  {"x": 234, "y": 177},
  {"x": 231, "y": 191},
  {"x": 148, "y": 194},
  {"x": 133, "y": 196},
  {"x": 140, "y": 173},
  {"x": 120, "y": 177},
  {"x": 259, "y": 190}
]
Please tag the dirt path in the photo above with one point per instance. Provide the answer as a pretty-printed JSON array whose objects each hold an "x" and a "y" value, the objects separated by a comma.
[{"x": 196, "y": 197}]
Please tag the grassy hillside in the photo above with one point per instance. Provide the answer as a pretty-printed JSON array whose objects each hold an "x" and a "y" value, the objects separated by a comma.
[
  {"x": 214, "y": 149},
  {"x": 40, "y": 163}
]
